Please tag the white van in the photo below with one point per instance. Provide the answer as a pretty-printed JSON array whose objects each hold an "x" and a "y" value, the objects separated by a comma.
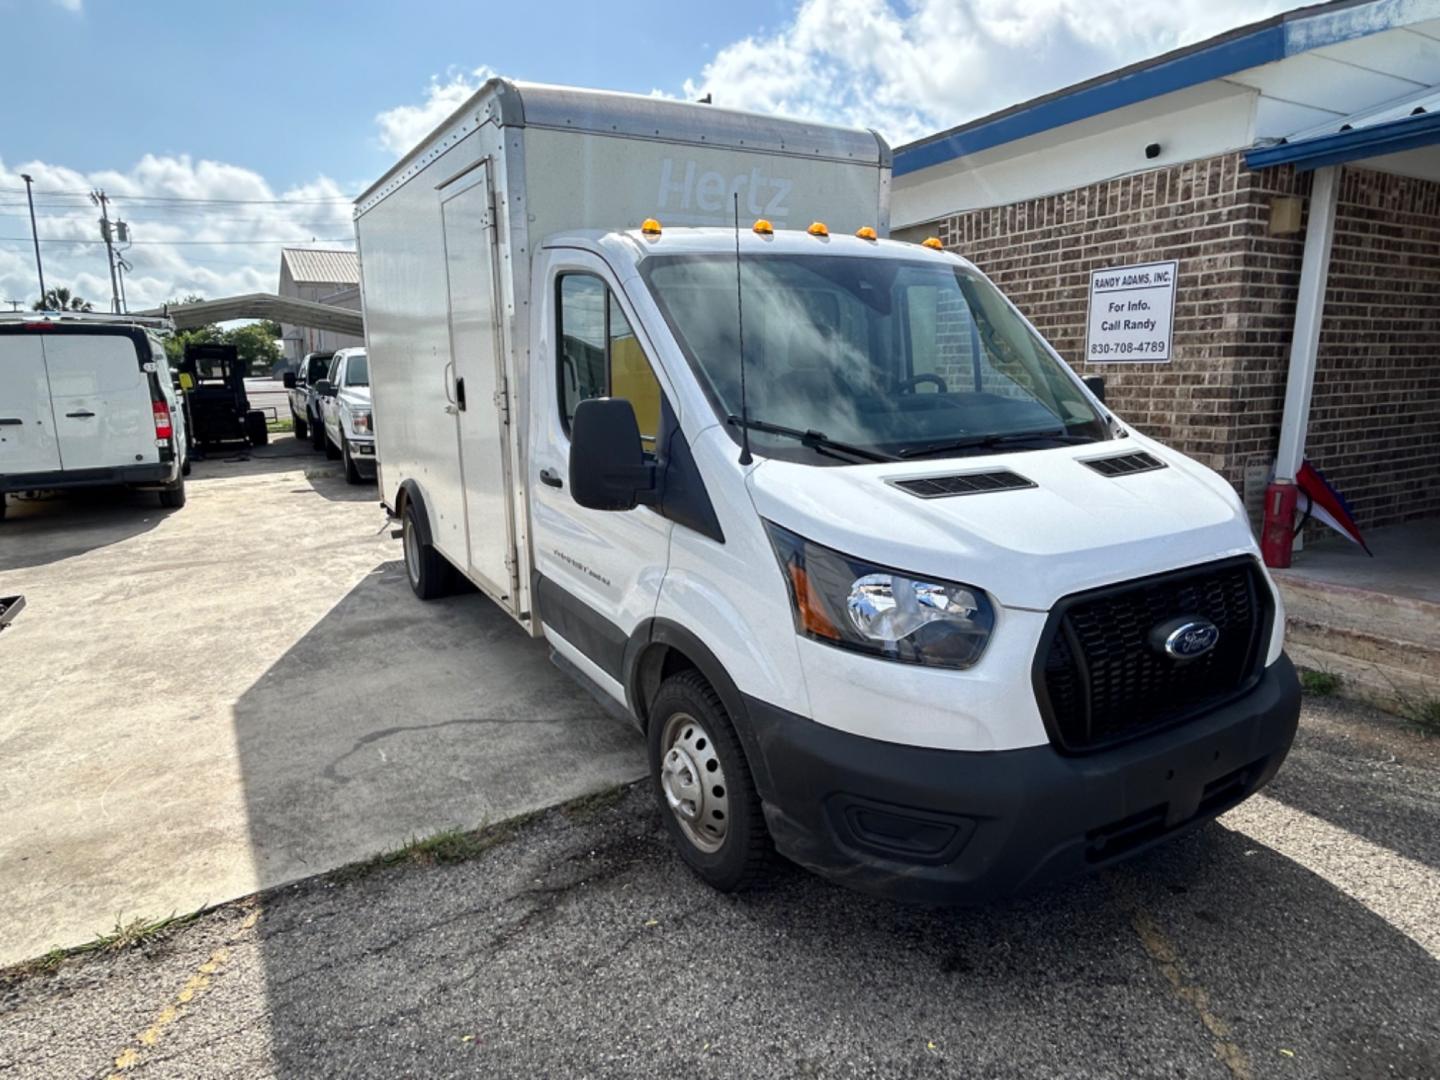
[
  {"x": 88, "y": 400},
  {"x": 930, "y": 620}
]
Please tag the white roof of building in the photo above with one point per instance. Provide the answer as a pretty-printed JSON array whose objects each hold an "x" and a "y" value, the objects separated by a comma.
[{"x": 313, "y": 265}]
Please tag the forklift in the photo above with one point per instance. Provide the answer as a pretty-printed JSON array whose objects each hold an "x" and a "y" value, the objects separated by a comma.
[{"x": 216, "y": 404}]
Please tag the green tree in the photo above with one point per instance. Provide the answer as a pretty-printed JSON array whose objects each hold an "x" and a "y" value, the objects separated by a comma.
[
  {"x": 61, "y": 299},
  {"x": 256, "y": 346}
]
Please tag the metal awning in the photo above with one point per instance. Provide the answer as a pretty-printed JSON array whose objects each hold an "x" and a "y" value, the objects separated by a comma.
[
  {"x": 1403, "y": 124},
  {"x": 284, "y": 309}
]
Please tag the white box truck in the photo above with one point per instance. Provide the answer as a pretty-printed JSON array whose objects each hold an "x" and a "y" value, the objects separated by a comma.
[{"x": 886, "y": 586}]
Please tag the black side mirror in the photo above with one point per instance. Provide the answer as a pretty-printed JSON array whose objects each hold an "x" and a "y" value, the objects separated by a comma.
[
  {"x": 608, "y": 470},
  {"x": 1096, "y": 385},
  {"x": 289, "y": 380},
  {"x": 323, "y": 388}
]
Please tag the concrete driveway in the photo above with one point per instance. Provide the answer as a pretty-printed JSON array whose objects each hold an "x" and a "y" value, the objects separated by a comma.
[{"x": 205, "y": 702}]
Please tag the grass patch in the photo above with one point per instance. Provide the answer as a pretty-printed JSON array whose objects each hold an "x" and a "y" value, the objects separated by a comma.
[
  {"x": 1321, "y": 683},
  {"x": 441, "y": 848},
  {"x": 276, "y": 426},
  {"x": 132, "y": 935},
  {"x": 587, "y": 806},
  {"x": 1424, "y": 714}
]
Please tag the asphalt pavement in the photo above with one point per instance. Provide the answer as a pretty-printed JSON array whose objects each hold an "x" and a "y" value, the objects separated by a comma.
[{"x": 1295, "y": 938}]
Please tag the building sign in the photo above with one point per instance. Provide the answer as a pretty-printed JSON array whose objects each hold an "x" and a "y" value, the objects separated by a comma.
[{"x": 1131, "y": 312}]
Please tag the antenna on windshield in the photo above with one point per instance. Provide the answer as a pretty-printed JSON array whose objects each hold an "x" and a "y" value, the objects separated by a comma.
[{"x": 745, "y": 458}]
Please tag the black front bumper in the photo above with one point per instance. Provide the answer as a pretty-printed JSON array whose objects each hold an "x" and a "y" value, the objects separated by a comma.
[
  {"x": 154, "y": 473},
  {"x": 955, "y": 827}
]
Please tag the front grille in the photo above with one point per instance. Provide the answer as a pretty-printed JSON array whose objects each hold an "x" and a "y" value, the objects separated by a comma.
[
  {"x": 976, "y": 483},
  {"x": 1099, "y": 678}
]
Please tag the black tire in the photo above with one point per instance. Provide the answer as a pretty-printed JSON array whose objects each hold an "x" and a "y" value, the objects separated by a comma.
[
  {"x": 743, "y": 857},
  {"x": 331, "y": 450},
  {"x": 352, "y": 472},
  {"x": 430, "y": 576},
  {"x": 185, "y": 466},
  {"x": 172, "y": 497},
  {"x": 256, "y": 431},
  {"x": 2, "y": 506},
  {"x": 299, "y": 426},
  {"x": 317, "y": 433}
]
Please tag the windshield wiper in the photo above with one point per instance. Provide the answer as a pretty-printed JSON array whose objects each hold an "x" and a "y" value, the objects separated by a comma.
[
  {"x": 816, "y": 440},
  {"x": 996, "y": 439}
]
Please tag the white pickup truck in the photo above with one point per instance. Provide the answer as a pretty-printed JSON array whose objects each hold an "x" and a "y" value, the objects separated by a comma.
[
  {"x": 344, "y": 400},
  {"x": 304, "y": 399}
]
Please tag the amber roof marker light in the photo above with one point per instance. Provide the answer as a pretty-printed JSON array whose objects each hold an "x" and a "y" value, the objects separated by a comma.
[
  {"x": 865, "y": 232},
  {"x": 818, "y": 228},
  {"x": 650, "y": 227},
  {"x": 762, "y": 227},
  {"x": 933, "y": 243}
]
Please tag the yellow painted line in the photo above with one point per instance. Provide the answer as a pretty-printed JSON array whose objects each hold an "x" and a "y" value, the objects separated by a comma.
[
  {"x": 1167, "y": 959},
  {"x": 1403, "y": 892},
  {"x": 194, "y": 988}
]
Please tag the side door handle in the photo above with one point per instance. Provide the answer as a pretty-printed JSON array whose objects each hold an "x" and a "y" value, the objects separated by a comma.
[
  {"x": 551, "y": 478},
  {"x": 4, "y": 420},
  {"x": 460, "y": 393},
  {"x": 82, "y": 414}
]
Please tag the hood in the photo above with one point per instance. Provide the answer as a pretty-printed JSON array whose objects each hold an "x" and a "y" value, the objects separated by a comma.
[
  {"x": 1074, "y": 529},
  {"x": 355, "y": 396}
]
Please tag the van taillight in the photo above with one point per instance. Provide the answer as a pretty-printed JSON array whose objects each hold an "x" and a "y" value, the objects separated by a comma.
[{"x": 163, "y": 429}]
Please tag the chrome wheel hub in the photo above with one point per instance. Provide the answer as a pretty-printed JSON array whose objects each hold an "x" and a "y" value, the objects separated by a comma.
[{"x": 694, "y": 782}]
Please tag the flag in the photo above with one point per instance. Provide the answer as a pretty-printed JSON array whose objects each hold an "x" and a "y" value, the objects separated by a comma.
[{"x": 1328, "y": 505}]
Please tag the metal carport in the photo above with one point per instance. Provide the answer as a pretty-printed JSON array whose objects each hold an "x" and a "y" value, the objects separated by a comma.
[{"x": 264, "y": 306}]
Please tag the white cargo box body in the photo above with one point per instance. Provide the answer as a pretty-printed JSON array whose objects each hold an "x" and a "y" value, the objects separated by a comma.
[{"x": 445, "y": 243}]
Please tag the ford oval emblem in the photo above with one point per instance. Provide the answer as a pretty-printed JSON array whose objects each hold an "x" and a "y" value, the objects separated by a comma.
[{"x": 1186, "y": 639}]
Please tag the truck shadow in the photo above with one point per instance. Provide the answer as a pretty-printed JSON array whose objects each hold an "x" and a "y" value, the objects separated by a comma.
[
  {"x": 60, "y": 525},
  {"x": 283, "y": 454},
  {"x": 582, "y": 943}
]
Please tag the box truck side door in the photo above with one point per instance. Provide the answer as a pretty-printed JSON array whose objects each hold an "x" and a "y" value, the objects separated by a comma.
[
  {"x": 101, "y": 395},
  {"x": 600, "y": 571},
  {"x": 475, "y": 351},
  {"x": 27, "y": 425}
]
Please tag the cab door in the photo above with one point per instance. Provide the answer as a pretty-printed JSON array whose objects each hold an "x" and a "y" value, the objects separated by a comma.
[
  {"x": 100, "y": 393},
  {"x": 27, "y": 425},
  {"x": 600, "y": 571},
  {"x": 478, "y": 389}
]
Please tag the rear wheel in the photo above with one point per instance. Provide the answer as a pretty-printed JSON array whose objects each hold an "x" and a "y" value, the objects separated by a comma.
[
  {"x": 299, "y": 425},
  {"x": 172, "y": 496},
  {"x": 704, "y": 787},
  {"x": 256, "y": 430},
  {"x": 317, "y": 433},
  {"x": 2, "y": 506},
  {"x": 429, "y": 573}
]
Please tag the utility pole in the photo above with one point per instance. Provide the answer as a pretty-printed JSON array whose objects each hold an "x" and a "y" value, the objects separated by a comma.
[
  {"x": 100, "y": 200},
  {"x": 39, "y": 269},
  {"x": 122, "y": 233}
]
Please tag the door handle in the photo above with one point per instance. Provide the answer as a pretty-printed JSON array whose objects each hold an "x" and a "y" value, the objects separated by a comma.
[
  {"x": 10, "y": 420},
  {"x": 460, "y": 393},
  {"x": 551, "y": 478},
  {"x": 81, "y": 415}
]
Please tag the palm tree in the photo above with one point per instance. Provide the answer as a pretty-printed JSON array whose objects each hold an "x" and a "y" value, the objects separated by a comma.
[{"x": 59, "y": 299}]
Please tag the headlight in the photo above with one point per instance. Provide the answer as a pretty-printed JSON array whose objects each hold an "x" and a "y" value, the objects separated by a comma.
[
  {"x": 360, "y": 421},
  {"x": 857, "y": 605}
]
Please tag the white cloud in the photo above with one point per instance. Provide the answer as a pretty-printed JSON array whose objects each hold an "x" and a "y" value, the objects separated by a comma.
[
  {"x": 937, "y": 63},
  {"x": 76, "y": 6},
  {"x": 180, "y": 247},
  {"x": 405, "y": 125}
]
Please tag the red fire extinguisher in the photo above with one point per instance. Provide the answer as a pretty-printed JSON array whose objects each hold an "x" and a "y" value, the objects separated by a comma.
[{"x": 1278, "y": 535}]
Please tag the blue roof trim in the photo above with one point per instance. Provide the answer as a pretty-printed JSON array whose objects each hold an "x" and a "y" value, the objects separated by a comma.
[
  {"x": 1225, "y": 58},
  {"x": 1407, "y": 133}
]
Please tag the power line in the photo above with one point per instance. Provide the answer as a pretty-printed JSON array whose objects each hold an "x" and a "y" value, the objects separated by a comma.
[
  {"x": 174, "y": 243},
  {"x": 193, "y": 199}
]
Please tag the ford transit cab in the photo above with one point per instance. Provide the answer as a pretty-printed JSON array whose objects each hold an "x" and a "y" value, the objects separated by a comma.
[{"x": 887, "y": 588}]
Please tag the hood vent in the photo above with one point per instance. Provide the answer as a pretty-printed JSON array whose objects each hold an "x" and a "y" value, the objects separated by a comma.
[
  {"x": 977, "y": 483},
  {"x": 1125, "y": 464}
]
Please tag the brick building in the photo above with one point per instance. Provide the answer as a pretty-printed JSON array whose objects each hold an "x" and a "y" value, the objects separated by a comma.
[{"x": 1291, "y": 171}]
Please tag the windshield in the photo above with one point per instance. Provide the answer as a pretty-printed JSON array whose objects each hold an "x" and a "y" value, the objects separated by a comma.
[
  {"x": 899, "y": 358},
  {"x": 357, "y": 372}
]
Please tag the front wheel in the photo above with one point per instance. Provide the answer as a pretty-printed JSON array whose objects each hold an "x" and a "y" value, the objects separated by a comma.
[
  {"x": 704, "y": 787},
  {"x": 301, "y": 430},
  {"x": 352, "y": 472},
  {"x": 257, "y": 432},
  {"x": 429, "y": 573}
]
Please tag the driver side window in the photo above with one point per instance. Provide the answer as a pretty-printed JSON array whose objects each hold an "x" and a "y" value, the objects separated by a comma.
[{"x": 598, "y": 354}]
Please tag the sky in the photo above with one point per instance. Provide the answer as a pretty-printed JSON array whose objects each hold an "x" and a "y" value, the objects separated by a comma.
[{"x": 224, "y": 130}]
